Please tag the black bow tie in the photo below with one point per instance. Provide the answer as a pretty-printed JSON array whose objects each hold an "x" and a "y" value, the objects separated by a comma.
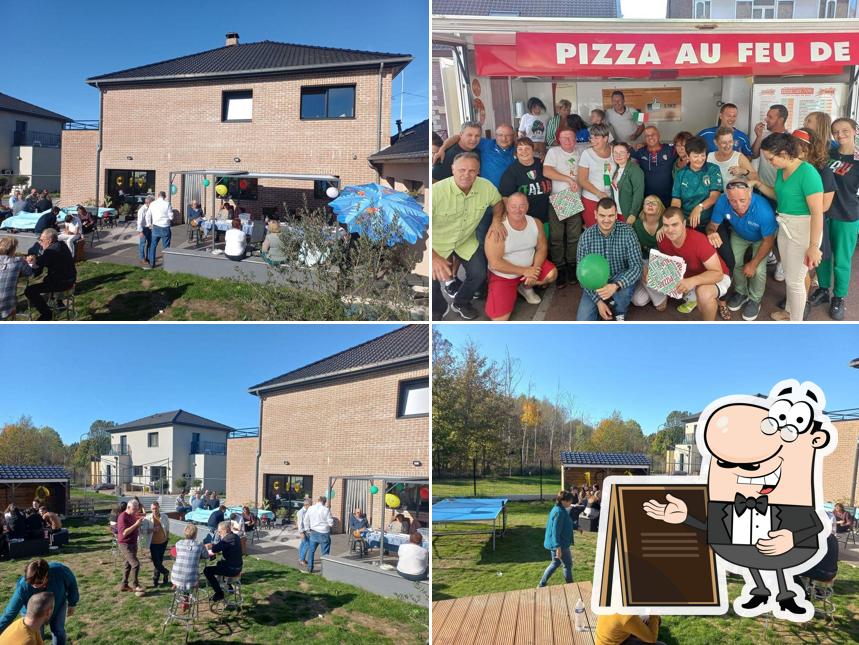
[{"x": 741, "y": 503}]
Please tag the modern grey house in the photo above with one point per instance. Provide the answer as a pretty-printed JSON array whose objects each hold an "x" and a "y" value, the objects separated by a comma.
[
  {"x": 30, "y": 142},
  {"x": 157, "y": 450}
]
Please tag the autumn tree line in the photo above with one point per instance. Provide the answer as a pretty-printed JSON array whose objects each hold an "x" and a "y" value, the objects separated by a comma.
[
  {"x": 485, "y": 415},
  {"x": 24, "y": 443}
]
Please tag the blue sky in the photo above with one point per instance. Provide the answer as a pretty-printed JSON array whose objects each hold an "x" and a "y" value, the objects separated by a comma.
[
  {"x": 646, "y": 371},
  {"x": 58, "y": 44},
  {"x": 67, "y": 376}
]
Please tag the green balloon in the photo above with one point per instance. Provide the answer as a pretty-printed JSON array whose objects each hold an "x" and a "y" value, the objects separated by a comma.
[
  {"x": 206, "y": 183},
  {"x": 593, "y": 271},
  {"x": 330, "y": 494},
  {"x": 374, "y": 489},
  {"x": 173, "y": 189}
]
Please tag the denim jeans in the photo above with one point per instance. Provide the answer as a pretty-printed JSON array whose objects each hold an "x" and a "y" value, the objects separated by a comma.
[
  {"x": 156, "y": 552},
  {"x": 475, "y": 276},
  {"x": 317, "y": 539},
  {"x": 143, "y": 243},
  {"x": 566, "y": 560},
  {"x": 588, "y": 308},
  {"x": 302, "y": 548},
  {"x": 58, "y": 625},
  {"x": 158, "y": 233}
]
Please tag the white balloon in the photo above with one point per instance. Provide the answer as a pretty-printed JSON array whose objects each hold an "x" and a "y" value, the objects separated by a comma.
[{"x": 332, "y": 192}]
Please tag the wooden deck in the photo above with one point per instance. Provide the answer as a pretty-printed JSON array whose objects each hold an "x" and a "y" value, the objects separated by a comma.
[{"x": 524, "y": 617}]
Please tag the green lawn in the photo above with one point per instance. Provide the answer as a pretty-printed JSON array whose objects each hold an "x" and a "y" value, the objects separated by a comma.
[
  {"x": 101, "y": 501},
  {"x": 108, "y": 291},
  {"x": 466, "y": 565},
  {"x": 498, "y": 486},
  {"x": 282, "y": 605}
]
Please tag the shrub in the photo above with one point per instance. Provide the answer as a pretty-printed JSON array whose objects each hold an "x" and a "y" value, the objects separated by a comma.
[
  {"x": 181, "y": 483},
  {"x": 22, "y": 179},
  {"x": 197, "y": 483}
]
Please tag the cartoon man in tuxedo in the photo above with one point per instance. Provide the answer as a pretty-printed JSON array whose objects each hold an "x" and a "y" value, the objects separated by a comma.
[{"x": 765, "y": 469}]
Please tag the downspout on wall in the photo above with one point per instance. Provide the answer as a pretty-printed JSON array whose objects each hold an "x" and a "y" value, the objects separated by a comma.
[
  {"x": 259, "y": 453},
  {"x": 379, "y": 131},
  {"x": 98, "y": 148}
]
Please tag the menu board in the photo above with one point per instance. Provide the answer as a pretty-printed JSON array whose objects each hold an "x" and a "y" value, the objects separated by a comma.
[{"x": 799, "y": 99}]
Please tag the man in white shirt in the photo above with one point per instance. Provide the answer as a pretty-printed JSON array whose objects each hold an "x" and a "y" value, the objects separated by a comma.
[
  {"x": 623, "y": 120},
  {"x": 161, "y": 216},
  {"x": 17, "y": 203},
  {"x": 318, "y": 521},
  {"x": 305, "y": 532},
  {"x": 144, "y": 230},
  {"x": 413, "y": 559}
]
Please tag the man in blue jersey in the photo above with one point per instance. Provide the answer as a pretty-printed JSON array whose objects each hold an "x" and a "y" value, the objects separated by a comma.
[
  {"x": 727, "y": 117},
  {"x": 495, "y": 154}
]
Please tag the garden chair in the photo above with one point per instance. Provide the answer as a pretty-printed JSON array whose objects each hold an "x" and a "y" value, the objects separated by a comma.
[{"x": 63, "y": 303}]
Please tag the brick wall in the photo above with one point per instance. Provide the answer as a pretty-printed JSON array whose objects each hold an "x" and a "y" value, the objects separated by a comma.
[
  {"x": 838, "y": 466},
  {"x": 241, "y": 464},
  {"x": 77, "y": 166},
  {"x": 346, "y": 427},
  {"x": 178, "y": 127}
]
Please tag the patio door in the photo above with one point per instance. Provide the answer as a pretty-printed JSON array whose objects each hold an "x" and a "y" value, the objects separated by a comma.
[{"x": 357, "y": 495}]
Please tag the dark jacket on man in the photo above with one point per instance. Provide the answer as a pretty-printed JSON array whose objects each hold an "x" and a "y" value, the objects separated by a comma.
[
  {"x": 214, "y": 519},
  {"x": 44, "y": 204},
  {"x": 48, "y": 220},
  {"x": 58, "y": 260},
  {"x": 230, "y": 547}
]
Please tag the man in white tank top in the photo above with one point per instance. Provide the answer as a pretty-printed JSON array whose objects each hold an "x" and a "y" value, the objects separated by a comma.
[{"x": 517, "y": 264}]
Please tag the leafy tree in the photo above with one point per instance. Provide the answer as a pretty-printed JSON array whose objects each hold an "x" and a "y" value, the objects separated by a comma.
[
  {"x": 616, "y": 434},
  {"x": 22, "y": 443},
  {"x": 670, "y": 433}
]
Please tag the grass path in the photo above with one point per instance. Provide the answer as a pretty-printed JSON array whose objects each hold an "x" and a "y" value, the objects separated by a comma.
[
  {"x": 282, "y": 605},
  {"x": 465, "y": 565}
]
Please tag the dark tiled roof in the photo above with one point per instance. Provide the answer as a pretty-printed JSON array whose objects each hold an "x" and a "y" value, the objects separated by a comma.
[
  {"x": 253, "y": 58},
  {"x": 175, "y": 417},
  {"x": 528, "y": 8},
  {"x": 412, "y": 143},
  {"x": 11, "y": 104},
  {"x": 603, "y": 459},
  {"x": 404, "y": 345},
  {"x": 33, "y": 472}
]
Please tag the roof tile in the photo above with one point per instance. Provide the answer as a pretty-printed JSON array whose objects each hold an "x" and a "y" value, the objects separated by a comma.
[
  {"x": 527, "y": 8},
  {"x": 11, "y": 104},
  {"x": 410, "y": 342},
  {"x": 8, "y": 471},
  {"x": 174, "y": 417},
  {"x": 603, "y": 459},
  {"x": 410, "y": 143}
]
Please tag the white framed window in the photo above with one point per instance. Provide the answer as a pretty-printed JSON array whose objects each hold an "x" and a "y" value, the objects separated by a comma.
[
  {"x": 237, "y": 106},
  {"x": 828, "y": 8},
  {"x": 413, "y": 399},
  {"x": 702, "y": 9},
  {"x": 785, "y": 9},
  {"x": 763, "y": 9}
]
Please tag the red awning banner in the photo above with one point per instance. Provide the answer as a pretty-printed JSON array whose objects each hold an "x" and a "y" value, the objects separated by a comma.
[{"x": 643, "y": 55}]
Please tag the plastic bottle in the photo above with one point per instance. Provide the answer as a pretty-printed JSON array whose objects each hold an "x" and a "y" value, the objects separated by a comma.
[
  {"x": 580, "y": 616},
  {"x": 606, "y": 177}
]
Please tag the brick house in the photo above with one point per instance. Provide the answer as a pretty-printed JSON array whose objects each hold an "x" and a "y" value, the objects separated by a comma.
[
  {"x": 363, "y": 411},
  {"x": 264, "y": 107}
]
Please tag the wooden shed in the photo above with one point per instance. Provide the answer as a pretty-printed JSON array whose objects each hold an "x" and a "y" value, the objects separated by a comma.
[
  {"x": 18, "y": 485},
  {"x": 589, "y": 468}
]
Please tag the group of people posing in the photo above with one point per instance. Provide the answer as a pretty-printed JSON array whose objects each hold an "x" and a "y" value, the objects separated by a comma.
[{"x": 513, "y": 222}]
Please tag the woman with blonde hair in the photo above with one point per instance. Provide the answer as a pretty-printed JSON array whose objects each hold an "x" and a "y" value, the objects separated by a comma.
[
  {"x": 273, "y": 250},
  {"x": 186, "y": 566},
  {"x": 821, "y": 123},
  {"x": 11, "y": 268},
  {"x": 158, "y": 533},
  {"x": 646, "y": 227}
]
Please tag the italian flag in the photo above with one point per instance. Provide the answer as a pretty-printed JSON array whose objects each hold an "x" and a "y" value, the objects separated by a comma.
[{"x": 641, "y": 117}]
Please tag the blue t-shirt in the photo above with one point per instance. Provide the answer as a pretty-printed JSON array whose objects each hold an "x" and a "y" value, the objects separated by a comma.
[
  {"x": 741, "y": 140},
  {"x": 657, "y": 169},
  {"x": 494, "y": 160},
  {"x": 583, "y": 135},
  {"x": 758, "y": 222}
]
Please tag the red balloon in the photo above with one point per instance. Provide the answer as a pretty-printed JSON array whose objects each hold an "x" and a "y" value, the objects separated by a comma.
[
  {"x": 243, "y": 184},
  {"x": 424, "y": 493}
]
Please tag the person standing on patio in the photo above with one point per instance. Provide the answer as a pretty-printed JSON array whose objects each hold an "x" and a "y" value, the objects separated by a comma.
[
  {"x": 319, "y": 521},
  {"x": 559, "y": 537},
  {"x": 127, "y": 532},
  {"x": 144, "y": 230},
  {"x": 305, "y": 532},
  {"x": 162, "y": 217}
]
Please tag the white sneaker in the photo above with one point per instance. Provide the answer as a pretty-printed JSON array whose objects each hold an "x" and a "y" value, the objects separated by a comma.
[
  {"x": 778, "y": 276},
  {"x": 620, "y": 318},
  {"x": 529, "y": 294},
  {"x": 771, "y": 259}
]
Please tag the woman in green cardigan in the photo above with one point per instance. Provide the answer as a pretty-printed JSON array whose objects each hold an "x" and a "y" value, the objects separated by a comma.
[{"x": 627, "y": 182}]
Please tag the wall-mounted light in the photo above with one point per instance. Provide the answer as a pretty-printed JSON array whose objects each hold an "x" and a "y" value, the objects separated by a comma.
[
  {"x": 236, "y": 159},
  {"x": 285, "y": 462},
  {"x": 130, "y": 158},
  {"x": 416, "y": 463}
]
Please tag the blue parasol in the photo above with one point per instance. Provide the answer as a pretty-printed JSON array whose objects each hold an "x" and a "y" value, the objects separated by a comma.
[{"x": 380, "y": 213}]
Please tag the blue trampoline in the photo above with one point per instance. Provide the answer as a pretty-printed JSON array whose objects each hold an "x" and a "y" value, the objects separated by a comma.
[{"x": 470, "y": 509}]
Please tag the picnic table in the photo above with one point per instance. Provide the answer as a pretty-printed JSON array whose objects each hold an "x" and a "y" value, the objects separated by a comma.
[
  {"x": 224, "y": 225},
  {"x": 393, "y": 541},
  {"x": 201, "y": 515},
  {"x": 23, "y": 221}
]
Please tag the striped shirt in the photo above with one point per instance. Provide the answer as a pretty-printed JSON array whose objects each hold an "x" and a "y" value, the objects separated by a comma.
[
  {"x": 10, "y": 269},
  {"x": 620, "y": 248},
  {"x": 186, "y": 569}
]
